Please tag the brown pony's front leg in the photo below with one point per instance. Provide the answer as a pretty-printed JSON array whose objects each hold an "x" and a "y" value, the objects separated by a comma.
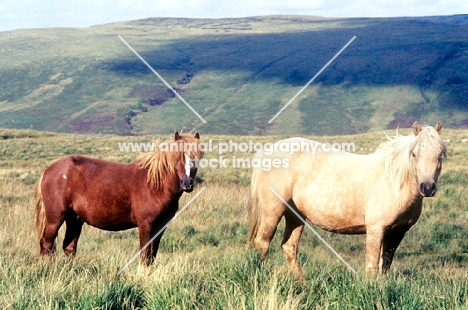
[
  {"x": 154, "y": 227},
  {"x": 148, "y": 232},
  {"x": 374, "y": 240},
  {"x": 149, "y": 250}
]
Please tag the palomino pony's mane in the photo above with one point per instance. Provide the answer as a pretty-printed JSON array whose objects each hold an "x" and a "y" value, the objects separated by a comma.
[
  {"x": 162, "y": 162},
  {"x": 396, "y": 155}
]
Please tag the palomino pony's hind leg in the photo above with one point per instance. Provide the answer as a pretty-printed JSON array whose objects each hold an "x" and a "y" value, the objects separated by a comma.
[
  {"x": 290, "y": 243},
  {"x": 72, "y": 233},
  {"x": 272, "y": 210}
]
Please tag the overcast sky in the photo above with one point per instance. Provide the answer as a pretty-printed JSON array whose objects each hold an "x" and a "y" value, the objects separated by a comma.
[{"x": 18, "y": 14}]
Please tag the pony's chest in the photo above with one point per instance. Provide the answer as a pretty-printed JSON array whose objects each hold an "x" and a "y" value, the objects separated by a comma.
[
  {"x": 409, "y": 215},
  {"x": 396, "y": 214}
]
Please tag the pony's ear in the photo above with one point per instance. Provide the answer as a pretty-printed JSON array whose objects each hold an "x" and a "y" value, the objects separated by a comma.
[
  {"x": 176, "y": 136},
  {"x": 438, "y": 127},
  {"x": 197, "y": 136},
  {"x": 416, "y": 128}
]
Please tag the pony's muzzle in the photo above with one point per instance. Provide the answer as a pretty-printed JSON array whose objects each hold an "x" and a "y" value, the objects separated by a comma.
[
  {"x": 428, "y": 189},
  {"x": 186, "y": 184}
]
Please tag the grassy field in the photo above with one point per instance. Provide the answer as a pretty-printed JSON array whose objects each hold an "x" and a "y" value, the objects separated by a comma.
[
  {"x": 204, "y": 261},
  {"x": 237, "y": 74}
]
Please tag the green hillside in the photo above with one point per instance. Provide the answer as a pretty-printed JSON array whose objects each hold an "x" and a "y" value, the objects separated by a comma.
[{"x": 237, "y": 74}]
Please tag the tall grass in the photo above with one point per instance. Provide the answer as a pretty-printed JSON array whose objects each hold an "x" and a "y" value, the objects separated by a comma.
[{"x": 204, "y": 261}]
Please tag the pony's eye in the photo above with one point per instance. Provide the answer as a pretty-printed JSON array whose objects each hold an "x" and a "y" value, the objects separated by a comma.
[{"x": 413, "y": 154}]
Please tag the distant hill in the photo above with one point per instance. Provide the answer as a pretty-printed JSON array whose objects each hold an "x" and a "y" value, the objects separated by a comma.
[{"x": 237, "y": 74}]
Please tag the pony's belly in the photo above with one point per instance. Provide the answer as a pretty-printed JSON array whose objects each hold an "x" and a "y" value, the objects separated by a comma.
[
  {"x": 118, "y": 227},
  {"x": 347, "y": 230},
  {"x": 108, "y": 223},
  {"x": 334, "y": 214},
  {"x": 105, "y": 219},
  {"x": 339, "y": 221}
]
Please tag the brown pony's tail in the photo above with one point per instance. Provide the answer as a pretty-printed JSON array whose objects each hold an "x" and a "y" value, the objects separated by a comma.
[
  {"x": 40, "y": 211},
  {"x": 254, "y": 207}
]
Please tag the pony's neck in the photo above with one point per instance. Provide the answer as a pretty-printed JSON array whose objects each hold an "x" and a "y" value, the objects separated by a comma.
[
  {"x": 160, "y": 166},
  {"x": 402, "y": 182},
  {"x": 410, "y": 192}
]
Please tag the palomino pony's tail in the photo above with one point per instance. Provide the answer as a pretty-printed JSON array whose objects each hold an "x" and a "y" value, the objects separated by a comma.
[
  {"x": 254, "y": 207},
  {"x": 40, "y": 211}
]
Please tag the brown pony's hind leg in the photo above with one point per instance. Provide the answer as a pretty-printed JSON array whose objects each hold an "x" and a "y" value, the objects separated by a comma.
[
  {"x": 290, "y": 243},
  {"x": 47, "y": 242},
  {"x": 72, "y": 233},
  {"x": 391, "y": 241}
]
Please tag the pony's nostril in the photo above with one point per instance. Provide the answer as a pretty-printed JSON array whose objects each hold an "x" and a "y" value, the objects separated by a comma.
[
  {"x": 186, "y": 183},
  {"x": 428, "y": 189}
]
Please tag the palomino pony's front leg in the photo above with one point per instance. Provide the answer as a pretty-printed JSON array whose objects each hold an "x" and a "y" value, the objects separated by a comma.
[
  {"x": 374, "y": 241},
  {"x": 391, "y": 241}
]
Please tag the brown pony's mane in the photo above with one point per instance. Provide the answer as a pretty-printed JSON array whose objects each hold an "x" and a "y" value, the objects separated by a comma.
[
  {"x": 396, "y": 154},
  {"x": 162, "y": 162}
]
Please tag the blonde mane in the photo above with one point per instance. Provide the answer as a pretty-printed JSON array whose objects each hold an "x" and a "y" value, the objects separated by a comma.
[
  {"x": 162, "y": 162},
  {"x": 396, "y": 155}
]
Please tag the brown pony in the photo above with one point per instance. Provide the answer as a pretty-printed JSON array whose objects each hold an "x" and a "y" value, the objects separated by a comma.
[
  {"x": 115, "y": 196},
  {"x": 378, "y": 194}
]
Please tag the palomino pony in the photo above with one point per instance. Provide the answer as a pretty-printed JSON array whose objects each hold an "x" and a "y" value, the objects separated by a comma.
[
  {"x": 115, "y": 196},
  {"x": 378, "y": 194}
]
